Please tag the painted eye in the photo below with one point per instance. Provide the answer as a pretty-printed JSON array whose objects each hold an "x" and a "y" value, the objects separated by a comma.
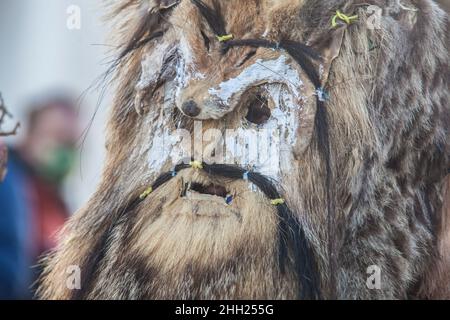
[
  {"x": 249, "y": 55},
  {"x": 258, "y": 111},
  {"x": 206, "y": 41}
]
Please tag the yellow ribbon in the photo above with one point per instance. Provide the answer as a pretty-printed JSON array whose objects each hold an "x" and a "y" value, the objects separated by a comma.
[
  {"x": 146, "y": 193},
  {"x": 225, "y": 37},
  {"x": 277, "y": 202},
  {"x": 343, "y": 17},
  {"x": 196, "y": 165}
]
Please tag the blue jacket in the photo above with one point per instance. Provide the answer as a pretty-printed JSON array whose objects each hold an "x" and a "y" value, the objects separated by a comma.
[{"x": 15, "y": 233}]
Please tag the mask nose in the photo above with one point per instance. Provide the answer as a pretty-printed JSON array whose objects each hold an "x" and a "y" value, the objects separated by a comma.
[{"x": 190, "y": 108}]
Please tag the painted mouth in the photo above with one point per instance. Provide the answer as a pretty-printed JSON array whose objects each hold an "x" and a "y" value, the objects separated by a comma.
[
  {"x": 206, "y": 190},
  {"x": 210, "y": 189},
  {"x": 207, "y": 204},
  {"x": 203, "y": 197}
]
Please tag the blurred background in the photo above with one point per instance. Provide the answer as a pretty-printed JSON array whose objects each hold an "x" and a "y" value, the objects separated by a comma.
[
  {"x": 52, "y": 51},
  {"x": 41, "y": 55}
]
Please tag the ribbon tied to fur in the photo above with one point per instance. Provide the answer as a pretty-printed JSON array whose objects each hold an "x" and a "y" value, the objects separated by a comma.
[{"x": 343, "y": 17}]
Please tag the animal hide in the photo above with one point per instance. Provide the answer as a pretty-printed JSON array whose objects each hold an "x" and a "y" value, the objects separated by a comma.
[{"x": 352, "y": 183}]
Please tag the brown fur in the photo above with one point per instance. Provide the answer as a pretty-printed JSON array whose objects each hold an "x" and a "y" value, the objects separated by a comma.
[{"x": 388, "y": 116}]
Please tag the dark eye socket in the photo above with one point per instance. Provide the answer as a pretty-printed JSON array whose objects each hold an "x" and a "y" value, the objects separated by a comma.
[
  {"x": 206, "y": 41},
  {"x": 249, "y": 55},
  {"x": 258, "y": 111}
]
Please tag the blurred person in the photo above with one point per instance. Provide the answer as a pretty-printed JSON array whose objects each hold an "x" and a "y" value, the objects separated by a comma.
[{"x": 32, "y": 210}]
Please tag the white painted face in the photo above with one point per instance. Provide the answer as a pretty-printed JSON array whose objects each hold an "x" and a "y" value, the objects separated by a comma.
[
  {"x": 276, "y": 71},
  {"x": 205, "y": 96},
  {"x": 266, "y": 147},
  {"x": 251, "y": 101}
]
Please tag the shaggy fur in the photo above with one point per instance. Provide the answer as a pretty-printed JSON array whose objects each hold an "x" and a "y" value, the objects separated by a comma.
[{"x": 366, "y": 180}]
